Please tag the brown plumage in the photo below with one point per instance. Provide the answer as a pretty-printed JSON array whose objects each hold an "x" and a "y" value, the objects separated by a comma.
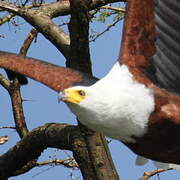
[
  {"x": 55, "y": 77},
  {"x": 140, "y": 42}
]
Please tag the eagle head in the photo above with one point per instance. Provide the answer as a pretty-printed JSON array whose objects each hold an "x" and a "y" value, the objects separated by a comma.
[{"x": 73, "y": 95}]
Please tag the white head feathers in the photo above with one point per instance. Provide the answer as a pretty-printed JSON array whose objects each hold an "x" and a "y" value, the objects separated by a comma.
[{"x": 117, "y": 105}]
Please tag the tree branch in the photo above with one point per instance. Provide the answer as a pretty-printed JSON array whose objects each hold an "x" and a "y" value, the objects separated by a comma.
[
  {"x": 79, "y": 34},
  {"x": 94, "y": 158},
  {"x": 31, "y": 146},
  {"x": 69, "y": 163},
  {"x": 61, "y": 136},
  {"x": 28, "y": 41},
  {"x": 40, "y": 18},
  {"x": 11, "y": 15},
  {"x": 7, "y": 127},
  {"x": 147, "y": 175},
  {"x": 5, "y": 82},
  {"x": 62, "y": 8},
  {"x": 105, "y": 30},
  {"x": 17, "y": 107},
  {"x": 3, "y": 139},
  {"x": 118, "y": 9},
  {"x": 15, "y": 93},
  {"x": 51, "y": 31}
]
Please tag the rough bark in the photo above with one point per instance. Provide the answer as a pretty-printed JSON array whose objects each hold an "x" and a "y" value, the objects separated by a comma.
[{"x": 94, "y": 161}]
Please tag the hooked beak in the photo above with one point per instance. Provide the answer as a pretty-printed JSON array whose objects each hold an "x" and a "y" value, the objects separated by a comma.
[{"x": 62, "y": 96}]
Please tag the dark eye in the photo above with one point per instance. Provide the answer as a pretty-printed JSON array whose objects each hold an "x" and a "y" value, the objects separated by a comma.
[{"x": 81, "y": 93}]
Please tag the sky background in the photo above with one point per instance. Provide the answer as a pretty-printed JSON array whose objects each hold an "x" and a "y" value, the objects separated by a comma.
[{"x": 42, "y": 105}]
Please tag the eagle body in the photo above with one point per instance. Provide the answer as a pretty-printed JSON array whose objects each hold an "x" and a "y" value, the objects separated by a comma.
[
  {"x": 117, "y": 105},
  {"x": 122, "y": 108}
]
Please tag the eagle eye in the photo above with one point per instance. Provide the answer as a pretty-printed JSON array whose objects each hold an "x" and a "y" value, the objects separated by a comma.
[{"x": 81, "y": 93}]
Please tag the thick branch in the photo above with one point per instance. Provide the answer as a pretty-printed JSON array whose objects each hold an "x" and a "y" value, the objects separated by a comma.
[
  {"x": 62, "y": 8},
  {"x": 100, "y": 165},
  {"x": 94, "y": 160},
  {"x": 31, "y": 146},
  {"x": 51, "y": 31},
  {"x": 41, "y": 19},
  {"x": 11, "y": 15},
  {"x": 60, "y": 136},
  {"x": 79, "y": 34},
  {"x": 59, "y": 8}
]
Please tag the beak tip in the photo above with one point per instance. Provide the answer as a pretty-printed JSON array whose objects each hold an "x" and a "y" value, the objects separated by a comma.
[{"x": 61, "y": 96}]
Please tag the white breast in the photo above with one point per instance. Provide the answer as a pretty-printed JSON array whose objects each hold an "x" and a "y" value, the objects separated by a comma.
[{"x": 117, "y": 106}]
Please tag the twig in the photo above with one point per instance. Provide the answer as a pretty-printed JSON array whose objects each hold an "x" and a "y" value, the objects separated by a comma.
[
  {"x": 31, "y": 36},
  {"x": 5, "y": 82},
  {"x": 6, "y": 18},
  {"x": 147, "y": 175},
  {"x": 118, "y": 9},
  {"x": 15, "y": 94},
  {"x": 7, "y": 127},
  {"x": 69, "y": 163},
  {"x": 3, "y": 139},
  {"x": 11, "y": 15},
  {"x": 17, "y": 107},
  {"x": 107, "y": 29}
]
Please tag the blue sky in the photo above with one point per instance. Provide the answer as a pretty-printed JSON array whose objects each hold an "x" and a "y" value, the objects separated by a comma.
[{"x": 42, "y": 105}]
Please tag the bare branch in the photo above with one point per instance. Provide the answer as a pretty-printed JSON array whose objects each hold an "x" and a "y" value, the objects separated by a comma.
[
  {"x": 29, "y": 39},
  {"x": 69, "y": 163},
  {"x": 7, "y": 127},
  {"x": 6, "y": 18},
  {"x": 49, "y": 135},
  {"x": 17, "y": 107},
  {"x": 11, "y": 15},
  {"x": 118, "y": 9},
  {"x": 62, "y": 8},
  {"x": 105, "y": 30},
  {"x": 5, "y": 82},
  {"x": 40, "y": 18},
  {"x": 15, "y": 93},
  {"x": 147, "y": 175},
  {"x": 3, "y": 139}
]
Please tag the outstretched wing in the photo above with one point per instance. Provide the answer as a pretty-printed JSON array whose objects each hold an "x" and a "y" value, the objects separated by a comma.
[
  {"x": 151, "y": 42},
  {"x": 166, "y": 60},
  {"x": 151, "y": 49},
  {"x": 55, "y": 77}
]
